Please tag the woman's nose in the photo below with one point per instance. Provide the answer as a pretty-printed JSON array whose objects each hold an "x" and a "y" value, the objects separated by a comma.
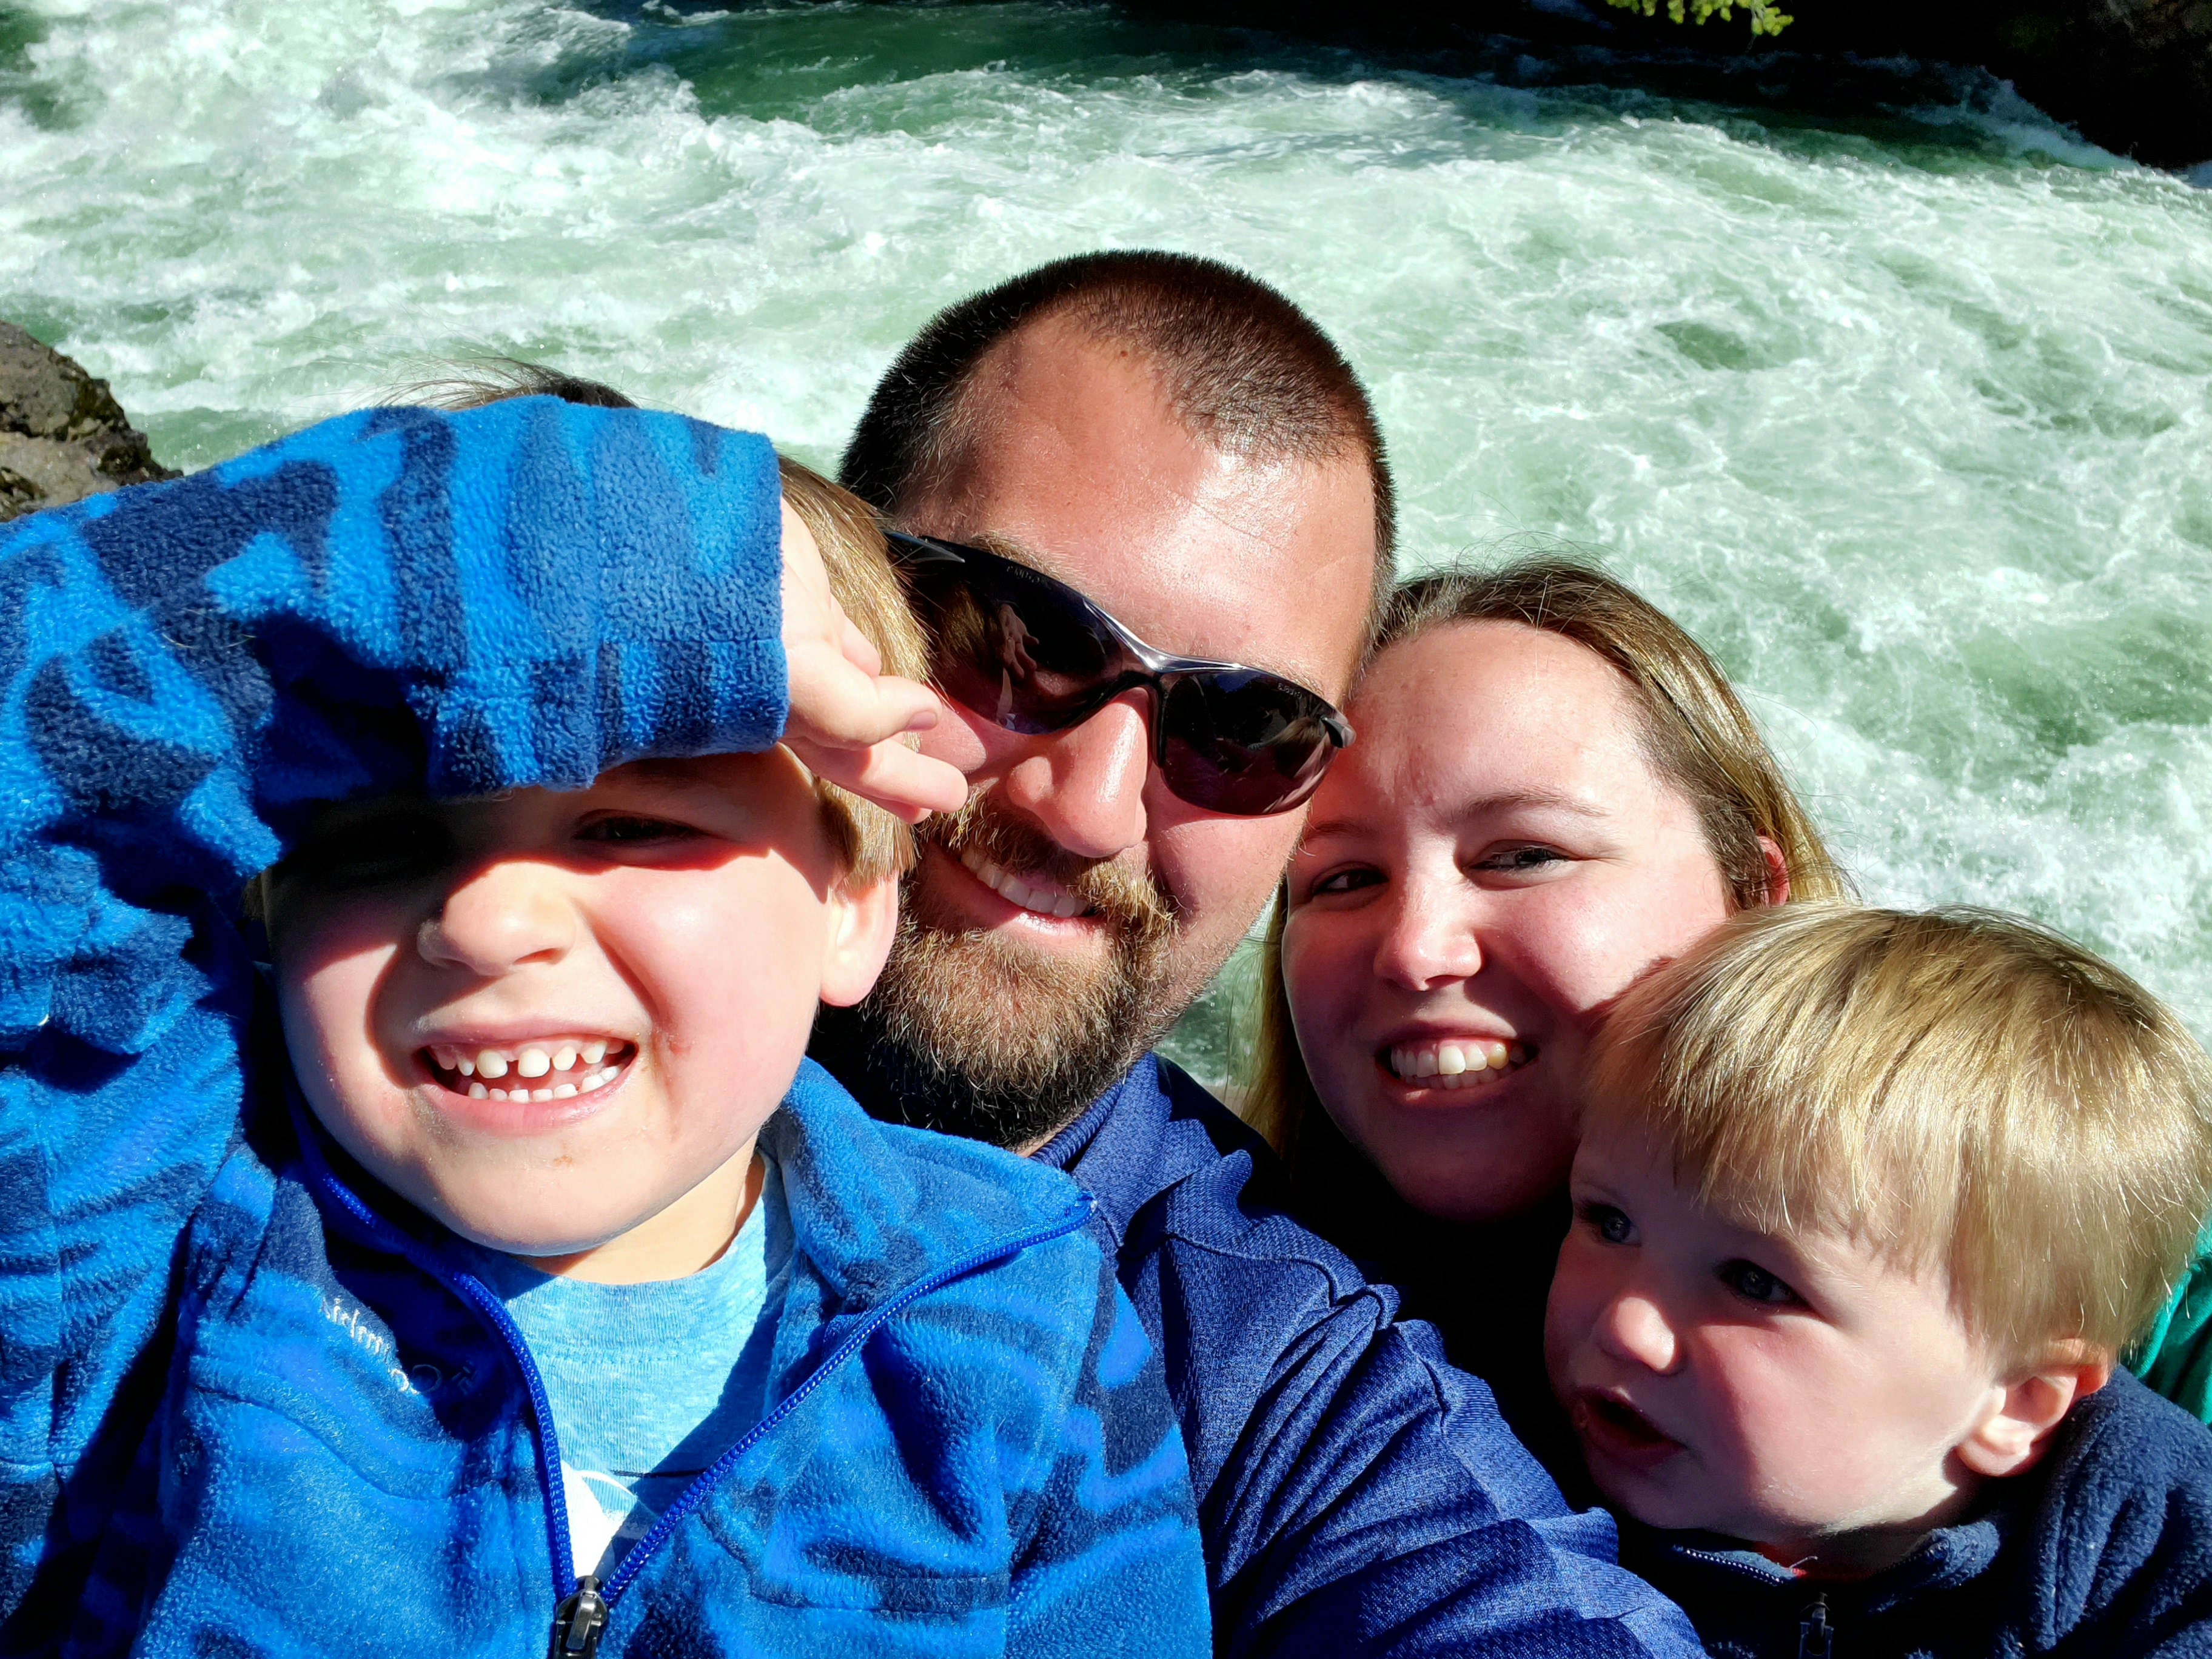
[
  {"x": 1427, "y": 939},
  {"x": 1635, "y": 1328},
  {"x": 498, "y": 918}
]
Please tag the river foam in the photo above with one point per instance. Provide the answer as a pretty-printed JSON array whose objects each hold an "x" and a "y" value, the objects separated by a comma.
[{"x": 1906, "y": 416}]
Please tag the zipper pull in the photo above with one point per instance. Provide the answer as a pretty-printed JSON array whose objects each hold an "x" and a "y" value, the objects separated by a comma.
[
  {"x": 580, "y": 1622},
  {"x": 1816, "y": 1637}
]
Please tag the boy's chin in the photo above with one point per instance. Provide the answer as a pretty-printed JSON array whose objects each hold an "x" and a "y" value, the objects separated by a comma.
[
  {"x": 536, "y": 1229},
  {"x": 523, "y": 1208},
  {"x": 584, "y": 1220}
]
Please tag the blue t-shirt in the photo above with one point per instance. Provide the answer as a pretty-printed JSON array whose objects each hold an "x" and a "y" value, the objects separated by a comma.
[{"x": 650, "y": 1383}]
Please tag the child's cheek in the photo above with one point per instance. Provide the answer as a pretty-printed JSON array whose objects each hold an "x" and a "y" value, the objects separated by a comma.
[
  {"x": 1773, "y": 1435},
  {"x": 330, "y": 962},
  {"x": 1568, "y": 1311}
]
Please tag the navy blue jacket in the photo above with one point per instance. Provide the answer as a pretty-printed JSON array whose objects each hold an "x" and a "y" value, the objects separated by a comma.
[
  {"x": 2105, "y": 1550},
  {"x": 1358, "y": 1494}
]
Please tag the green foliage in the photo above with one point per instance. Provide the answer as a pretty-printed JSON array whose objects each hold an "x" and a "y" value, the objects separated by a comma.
[{"x": 1766, "y": 18}]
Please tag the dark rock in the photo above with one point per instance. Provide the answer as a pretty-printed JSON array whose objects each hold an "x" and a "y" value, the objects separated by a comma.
[
  {"x": 2133, "y": 76},
  {"x": 62, "y": 436}
]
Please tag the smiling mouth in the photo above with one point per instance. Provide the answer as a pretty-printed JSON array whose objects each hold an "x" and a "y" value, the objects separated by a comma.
[
  {"x": 1454, "y": 1062},
  {"x": 1039, "y": 895},
  {"x": 559, "y": 1070}
]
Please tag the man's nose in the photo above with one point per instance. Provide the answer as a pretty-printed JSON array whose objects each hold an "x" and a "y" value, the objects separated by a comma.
[
  {"x": 1428, "y": 938},
  {"x": 498, "y": 918},
  {"x": 1634, "y": 1327},
  {"x": 1085, "y": 787}
]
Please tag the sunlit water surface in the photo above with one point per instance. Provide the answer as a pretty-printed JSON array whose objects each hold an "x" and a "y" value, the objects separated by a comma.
[{"x": 1906, "y": 416}]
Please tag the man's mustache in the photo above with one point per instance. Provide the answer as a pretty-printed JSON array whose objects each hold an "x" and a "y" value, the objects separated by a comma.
[{"x": 1131, "y": 902}]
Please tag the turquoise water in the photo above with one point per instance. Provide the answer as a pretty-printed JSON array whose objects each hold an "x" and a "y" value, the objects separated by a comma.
[{"x": 1908, "y": 416}]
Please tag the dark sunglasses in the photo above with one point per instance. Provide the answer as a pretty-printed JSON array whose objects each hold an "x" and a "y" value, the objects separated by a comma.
[{"x": 1033, "y": 655}]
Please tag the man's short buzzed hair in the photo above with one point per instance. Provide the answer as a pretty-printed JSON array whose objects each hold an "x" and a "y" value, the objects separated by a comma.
[{"x": 1242, "y": 367}]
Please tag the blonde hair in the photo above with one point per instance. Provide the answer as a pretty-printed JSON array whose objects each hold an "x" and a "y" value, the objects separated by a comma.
[
  {"x": 1696, "y": 735},
  {"x": 870, "y": 842},
  {"x": 1968, "y": 1091}
]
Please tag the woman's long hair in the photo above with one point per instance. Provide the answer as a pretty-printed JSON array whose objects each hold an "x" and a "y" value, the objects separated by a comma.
[{"x": 1696, "y": 735}]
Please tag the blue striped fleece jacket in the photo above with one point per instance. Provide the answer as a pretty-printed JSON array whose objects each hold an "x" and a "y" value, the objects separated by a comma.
[{"x": 249, "y": 1403}]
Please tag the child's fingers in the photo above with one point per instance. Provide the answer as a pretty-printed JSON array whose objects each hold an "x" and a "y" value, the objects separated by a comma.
[
  {"x": 835, "y": 703},
  {"x": 847, "y": 716},
  {"x": 859, "y": 649},
  {"x": 903, "y": 782}
]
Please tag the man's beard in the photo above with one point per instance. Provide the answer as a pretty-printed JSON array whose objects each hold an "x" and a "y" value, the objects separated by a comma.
[{"x": 1008, "y": 1044}]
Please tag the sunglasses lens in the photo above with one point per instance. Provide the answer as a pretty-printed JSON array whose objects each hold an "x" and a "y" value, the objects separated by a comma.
[
  {"x": 1243, "y": 742},
  {"x": 1013, "y": 651},
  {"x": 1032, "y": 656}
]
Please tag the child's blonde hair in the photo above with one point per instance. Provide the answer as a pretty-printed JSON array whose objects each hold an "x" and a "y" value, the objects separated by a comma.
[{"x": 1968, "y": 1091}]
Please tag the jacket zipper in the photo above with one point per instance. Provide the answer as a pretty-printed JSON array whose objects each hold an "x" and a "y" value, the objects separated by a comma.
[
  {"x": 580, "y": 1618},
  {"x": 578, "y": 1622},
  {"x": 1816, "y": 1633},
  {"x": 1816, "y": 1637}
]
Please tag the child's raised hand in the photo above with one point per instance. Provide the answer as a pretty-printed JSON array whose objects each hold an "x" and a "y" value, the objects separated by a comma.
[{"x": 847, "y": 716}]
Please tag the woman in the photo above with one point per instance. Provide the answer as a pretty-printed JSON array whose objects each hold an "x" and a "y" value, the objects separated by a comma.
[{"x": 1553, "y": 789}]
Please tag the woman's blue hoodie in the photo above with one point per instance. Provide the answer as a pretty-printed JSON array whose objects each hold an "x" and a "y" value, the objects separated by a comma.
[{"x": 250, "y": 1403}]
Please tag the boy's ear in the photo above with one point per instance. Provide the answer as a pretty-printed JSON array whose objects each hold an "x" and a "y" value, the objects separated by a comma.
[
  {"x": 863, "y": 917},
  {"x": 2013, "y": 1438}
]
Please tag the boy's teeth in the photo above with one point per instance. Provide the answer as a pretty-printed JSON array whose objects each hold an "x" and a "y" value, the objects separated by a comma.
[
  {"x": 580, "y": 1061},
  {"x": 534, "y": 1062}
]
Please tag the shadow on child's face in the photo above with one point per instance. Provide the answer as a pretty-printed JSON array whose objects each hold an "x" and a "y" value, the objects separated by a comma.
[{"x": 548, "y": 1018}]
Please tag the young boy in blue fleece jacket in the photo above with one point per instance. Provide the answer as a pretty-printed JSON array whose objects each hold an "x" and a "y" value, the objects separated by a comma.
[
  {"x": 510, "y": 1302},
  {"x": 1866, "y": 1206}
]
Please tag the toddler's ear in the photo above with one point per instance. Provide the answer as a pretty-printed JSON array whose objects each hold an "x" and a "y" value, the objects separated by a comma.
[
  {"x": 2013, "y": 1438},
  {"x": 863, "y": 917}
]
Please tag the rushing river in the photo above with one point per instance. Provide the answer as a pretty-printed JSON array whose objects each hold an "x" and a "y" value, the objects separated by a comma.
[{"x": 1908, "y": 416}]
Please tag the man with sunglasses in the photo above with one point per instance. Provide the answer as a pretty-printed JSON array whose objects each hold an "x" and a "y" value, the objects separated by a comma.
[{"x": 1146, "y": 515}]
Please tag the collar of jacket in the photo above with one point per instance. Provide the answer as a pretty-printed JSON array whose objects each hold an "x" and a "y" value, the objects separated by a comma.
[
  {"x": 874, "y": 1208},
  {"x": 1139, "y": 1146},
  {"x": 1726, "y": 1569}
]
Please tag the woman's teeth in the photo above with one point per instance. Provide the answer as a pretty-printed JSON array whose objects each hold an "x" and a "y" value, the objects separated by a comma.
[
  {"x": 1045, "y": 901},
  {"x": 531, "y": 1062},
  {"x": 1466, "y": 1063}
]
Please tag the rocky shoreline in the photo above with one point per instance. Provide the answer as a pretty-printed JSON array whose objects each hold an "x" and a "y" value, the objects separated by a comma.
[
  {"x": 62, "y": 436},
  {"x": 2134, "y": 76}
]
